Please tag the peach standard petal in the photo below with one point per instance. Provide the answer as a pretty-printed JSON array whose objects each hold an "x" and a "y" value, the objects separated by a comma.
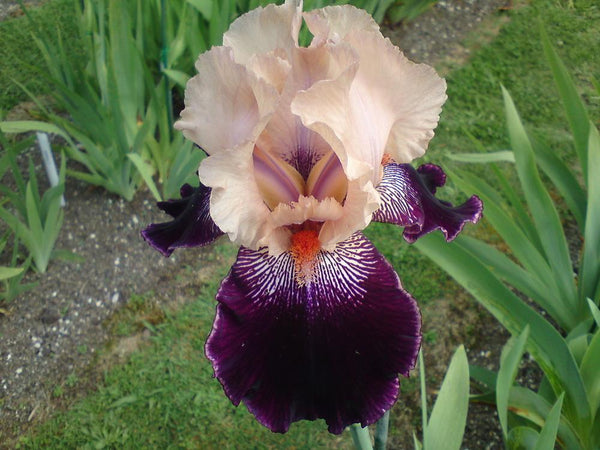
[
  {"x": 236, "y": 205},
  {"x": 225, "y": 104},
  {"x": 285, "y": 135},
  {"x": 333, "y": 23},
  {"x": 362, "y": 200},
  {"x": 391, "y": 105},
  {"x": 263, "y": 30}
]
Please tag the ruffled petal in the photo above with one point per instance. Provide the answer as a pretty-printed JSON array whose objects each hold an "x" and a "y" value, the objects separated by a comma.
[
  {"x": 285, "y": 135},
  {"x": 225, "y": 104},
  {"x": 361, "y": 201},
  {"x": 407, "y": 200},
  {"x": 390, "y": 105},
  {"x": 236, "y": 204},
  {"x": 192, "y": 227},
  {"x": 306, "y": 208},
  {"x": 263, "y": 30},
  {"x": 333, "y": 23},
  {"x": 329, "y": 348},
  {"x": 270, "y": 67}
]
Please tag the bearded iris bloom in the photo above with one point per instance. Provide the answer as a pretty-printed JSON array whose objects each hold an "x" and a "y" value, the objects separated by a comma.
[{"x": 306, "y": 146}]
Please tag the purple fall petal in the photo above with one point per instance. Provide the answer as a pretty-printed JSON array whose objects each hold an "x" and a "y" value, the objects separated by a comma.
[
  {"x": 330, "y": 348},
  {"x": 407, "y": 199},
  {"x": 192, "y": 226}
]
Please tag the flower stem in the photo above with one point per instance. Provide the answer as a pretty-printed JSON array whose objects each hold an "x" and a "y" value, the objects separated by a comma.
[
  {"x": 381, "y": 431},
  {"x": 164, "y": 60},
  {"x": 423, "y": 395},
  {"x": 361, "y": 437}
]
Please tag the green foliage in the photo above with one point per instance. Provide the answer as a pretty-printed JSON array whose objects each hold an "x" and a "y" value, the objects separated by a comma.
[
  {"x": 12, "y": 276},
  {"x": 20, "y": 56},
  {"x": 516, "y": 59},
  {"x": 36, "y": 220},
  {"x": 542, "y": 270},
  {"x": 119, "y": 127},
  {"x": 509, "y": 363},
  {"x": 174, "y": 158},
  {"x": 106, "y": 99},
  {"x": 405, "y": 10},
  {"x": 446, "y": 425},
  {"x": 9, "y": 272}
]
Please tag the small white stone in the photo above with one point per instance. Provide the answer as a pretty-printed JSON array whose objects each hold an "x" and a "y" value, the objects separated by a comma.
[
  {"x": 117, "y": 261},
  {"x": 115, "y": 298}
]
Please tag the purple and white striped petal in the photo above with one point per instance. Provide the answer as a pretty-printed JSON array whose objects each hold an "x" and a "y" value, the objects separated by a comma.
[
  {"x": 192, "y": 227},
  {"x": 407, "y": 199},
  {"x": 329, "y": 345}
]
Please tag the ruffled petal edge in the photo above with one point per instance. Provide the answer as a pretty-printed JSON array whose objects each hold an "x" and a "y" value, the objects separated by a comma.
[
  {"x": 192, "y": 225},
  {"x": 407, "y": 199}
]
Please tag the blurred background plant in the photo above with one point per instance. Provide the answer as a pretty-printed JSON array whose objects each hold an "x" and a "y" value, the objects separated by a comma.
[
  {"x": 12, "y": 275},
  {"x": 34, "y": 219},
  {"x": 444, "y": 428},
  {"x": 561, "y": 313}
]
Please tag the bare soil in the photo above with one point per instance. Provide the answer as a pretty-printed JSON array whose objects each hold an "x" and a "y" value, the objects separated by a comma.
[{"x": 58, "y": 328}]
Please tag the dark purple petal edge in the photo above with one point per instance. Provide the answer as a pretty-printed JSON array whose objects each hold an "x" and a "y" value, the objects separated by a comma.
[
  {"x": 192, "y": 225},
  {"x": 330, "y": 349},
  {"x": 407, "y": 196}
]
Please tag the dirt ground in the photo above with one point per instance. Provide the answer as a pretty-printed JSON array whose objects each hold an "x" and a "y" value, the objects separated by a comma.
[{"x": 57, "y": 328}]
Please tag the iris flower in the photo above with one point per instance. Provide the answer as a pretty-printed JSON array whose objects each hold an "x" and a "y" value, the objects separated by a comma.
[{"x": 306, "y": 146}]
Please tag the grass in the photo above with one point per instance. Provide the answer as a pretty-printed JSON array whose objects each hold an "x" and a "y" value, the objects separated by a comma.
[
  {"x": 515, "y": 59},
  {"x": 19, "y": 54},
  {"x": 165, "y": 396}
]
